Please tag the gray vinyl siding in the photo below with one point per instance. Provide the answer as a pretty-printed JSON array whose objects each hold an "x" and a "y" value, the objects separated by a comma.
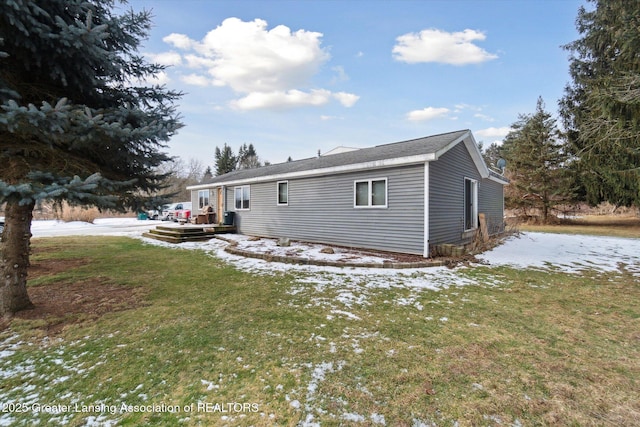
[
  {"x": 321, "y": 209},
  {"x": 491, "y": 203},
  {"x": 446, "y": 190},
  {"x": 195, "y": 200}
]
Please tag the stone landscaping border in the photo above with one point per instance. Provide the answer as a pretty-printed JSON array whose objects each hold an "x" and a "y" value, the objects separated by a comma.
[{"x": 232, "y": 249}]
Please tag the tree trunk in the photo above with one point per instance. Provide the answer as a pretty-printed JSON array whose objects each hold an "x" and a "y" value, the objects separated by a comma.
[{"x": 14, "y": 258}]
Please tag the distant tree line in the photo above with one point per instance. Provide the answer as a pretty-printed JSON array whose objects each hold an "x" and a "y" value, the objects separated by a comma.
[
  {"x": 178, "y": 174},
  {"x": 596, "y": 157}
]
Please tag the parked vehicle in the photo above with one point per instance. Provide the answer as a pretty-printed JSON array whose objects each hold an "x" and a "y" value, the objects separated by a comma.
[
  {"x": 184, "y": 214},
  {"x": 156, "y": 214},
  {"x": 170, "y": 214},
  {"x": 167, "y": 213},
  {"x": 1, "y": 225}
]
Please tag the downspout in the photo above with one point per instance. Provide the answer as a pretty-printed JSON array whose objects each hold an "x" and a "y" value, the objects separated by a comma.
[{"x": 426, "y": 211}]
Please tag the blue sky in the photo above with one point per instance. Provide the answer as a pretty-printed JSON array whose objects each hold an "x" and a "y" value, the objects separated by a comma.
[{"x": 295, "y": 77}]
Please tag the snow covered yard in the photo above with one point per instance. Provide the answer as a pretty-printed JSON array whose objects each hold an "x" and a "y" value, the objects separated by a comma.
[
  {"x": 100, "y": 227},
  {"x": 567, "y": 253},
  {"x": 343, "y": 345}
]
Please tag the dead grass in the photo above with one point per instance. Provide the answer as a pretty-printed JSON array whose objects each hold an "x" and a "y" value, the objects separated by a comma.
[
  {"x": 68, "y": 213},
  {"x": 602, "y": 225}
]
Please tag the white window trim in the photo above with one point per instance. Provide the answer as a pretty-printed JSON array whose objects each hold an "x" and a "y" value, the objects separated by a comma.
[
  {"x": 278, "y": 193},
  {"x": 475, "y": 204},
  {"x": 370, "y": 204},
  {"x": 242, "y": 187},
  {"x": 207, "y": 197}
]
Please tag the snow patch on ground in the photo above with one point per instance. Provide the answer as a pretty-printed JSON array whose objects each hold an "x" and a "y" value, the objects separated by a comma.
[
  {"x": 45, "y": 364},
  {"x": 100, "y": 227},
  {"x": 567, "y": 253},
  {"x": 341, "y": 290}
]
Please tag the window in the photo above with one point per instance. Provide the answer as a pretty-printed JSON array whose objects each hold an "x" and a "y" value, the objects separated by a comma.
[
  {"x": 283, "y": 193},
  {"x": 242, "y": 197},
  {"x": 371, "y": 193},
  {"x": 470, "y": 204},
  {"x": 203, "y": 198}
]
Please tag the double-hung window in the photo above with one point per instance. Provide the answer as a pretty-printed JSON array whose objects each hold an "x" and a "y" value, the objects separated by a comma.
[
  {"x": 371, "y": 193},
  {"x": 283, "y": 193},
  {"x": 243, "y": 198}
]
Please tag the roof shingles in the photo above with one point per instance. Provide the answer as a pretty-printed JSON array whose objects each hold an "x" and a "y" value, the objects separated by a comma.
[{"x": 414, "y": 147}]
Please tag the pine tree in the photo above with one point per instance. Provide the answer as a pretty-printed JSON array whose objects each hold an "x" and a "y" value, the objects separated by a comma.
[
  {"x": 247, "y": 157},
  {"x": 536, "y": 164},
  {"x": 76, "y": 124},
  {"x": 491, "y": 154},
  {"x": 601, "y": 108},
  {"x": 225, "y": 160}
]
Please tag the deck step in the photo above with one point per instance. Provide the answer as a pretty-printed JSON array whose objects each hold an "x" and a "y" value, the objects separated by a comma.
[
  {"x": 181, "y": 234},
  {"x": 177, "y": 239},
  {"x": 220, "y": 229},
  {"x": 188, "y": 233}
]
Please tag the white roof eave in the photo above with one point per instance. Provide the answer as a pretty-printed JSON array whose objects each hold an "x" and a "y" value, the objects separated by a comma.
[{"x": 377, "y": 164}]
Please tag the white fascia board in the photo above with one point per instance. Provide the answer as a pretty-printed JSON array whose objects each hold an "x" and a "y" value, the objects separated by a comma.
[
  {"x": 498, "y": 180},
  {"x": 203, "y": 186},
  {"x": 377, "y": 164},
  {"x": 476, "y": 156}
]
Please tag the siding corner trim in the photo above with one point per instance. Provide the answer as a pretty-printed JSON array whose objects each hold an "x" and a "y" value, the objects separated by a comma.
[{"x": 426, "y": 211}]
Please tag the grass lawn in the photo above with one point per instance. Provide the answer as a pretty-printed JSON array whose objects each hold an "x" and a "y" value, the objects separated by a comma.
[{"x": 203, "y": 343}]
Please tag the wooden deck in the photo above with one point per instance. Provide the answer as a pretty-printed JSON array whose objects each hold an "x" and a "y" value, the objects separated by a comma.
[{"x": 188, "y": 233}]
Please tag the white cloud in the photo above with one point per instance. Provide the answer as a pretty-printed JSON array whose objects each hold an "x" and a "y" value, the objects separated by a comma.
[
  {"x": 271, "y": 68},
  {"x": 160, "y": 78},
  {"x": 428, "y": 113},
  {"x": 463, "y": 106},
  {"x": 346, "y": 99},
  {"x": 435, "y": 45},
  {"x": 325, "y": 117},
  {"x": 196, "y": 80},
  {"x": 248, "y": 57},
  {"x": 178, "y": 40},
  {"x": 493, "y": 133},
  {"x": 484, "y": 117},
  {"x": 341, "y": 75},
  {"x": 194, "y": 61},
  {"x": 282, "y": 99},
  {"x": 166, "y": 58},
  {"x": 477, "y": 111}
]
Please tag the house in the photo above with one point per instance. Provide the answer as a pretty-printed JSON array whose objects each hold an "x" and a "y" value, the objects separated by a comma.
[{"x": 402, "y": 197}]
